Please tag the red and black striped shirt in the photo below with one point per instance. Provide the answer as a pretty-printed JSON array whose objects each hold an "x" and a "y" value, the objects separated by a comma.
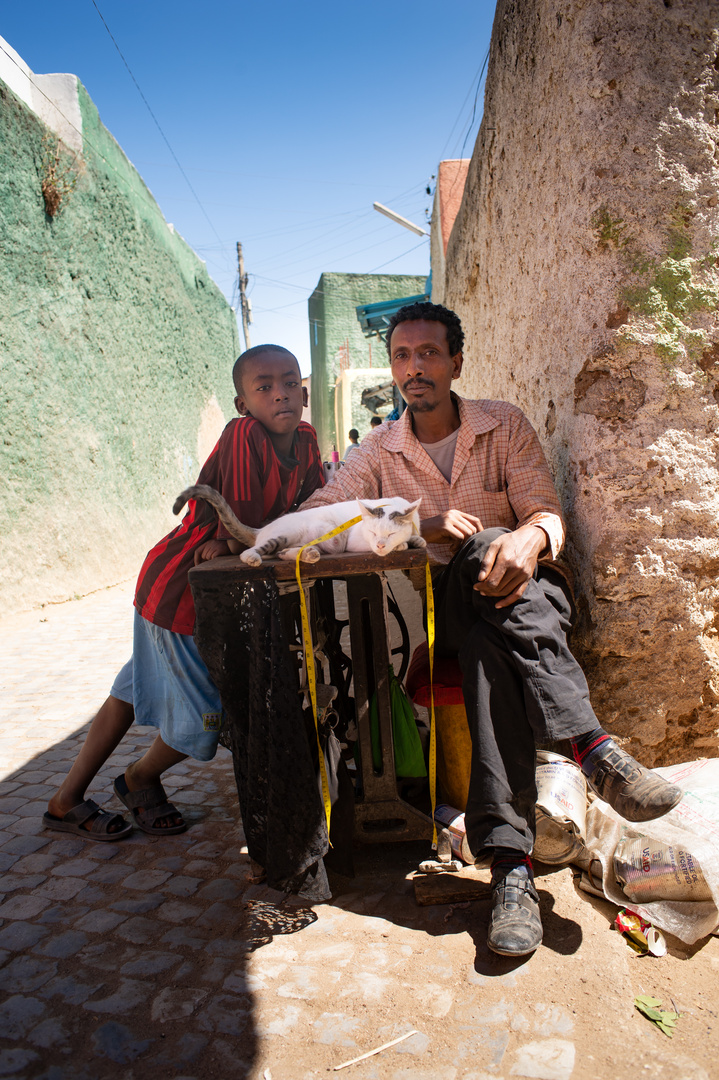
[{"x": 258, "y": 485}]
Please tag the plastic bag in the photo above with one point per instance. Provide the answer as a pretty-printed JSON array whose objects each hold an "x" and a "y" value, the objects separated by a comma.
[
  {"x": 691, "y": 827},
  {"x": 408, "y": 753}
]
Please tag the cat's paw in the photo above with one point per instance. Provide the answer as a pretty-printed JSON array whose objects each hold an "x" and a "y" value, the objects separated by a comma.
[
  {"x": 417, "y": 541},
  {"x": 402, "y": 547},
  {"x": 310, "y": 554},
  {"x": 251, "y": 557}
]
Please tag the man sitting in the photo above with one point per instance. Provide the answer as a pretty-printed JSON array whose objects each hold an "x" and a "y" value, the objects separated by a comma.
[{"x": 492, "y": 520}]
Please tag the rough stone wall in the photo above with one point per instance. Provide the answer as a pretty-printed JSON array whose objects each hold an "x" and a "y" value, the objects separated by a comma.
[
  {"x": 584, "y": 264},
  {"x": 116, "y": 352},
  {"x": 333, "y": 319}
]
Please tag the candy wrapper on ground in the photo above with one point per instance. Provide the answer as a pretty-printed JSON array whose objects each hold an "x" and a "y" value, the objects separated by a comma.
[
  {"x": 640, "y": 935},
  {"x": 687, "y": 838}
]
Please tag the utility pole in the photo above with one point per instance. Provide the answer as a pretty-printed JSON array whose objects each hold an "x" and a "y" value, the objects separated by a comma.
[{"x": 245, "y": 306}]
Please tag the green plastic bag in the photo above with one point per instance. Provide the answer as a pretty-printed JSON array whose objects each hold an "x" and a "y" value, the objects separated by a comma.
[{"x": 408, "y": 754}]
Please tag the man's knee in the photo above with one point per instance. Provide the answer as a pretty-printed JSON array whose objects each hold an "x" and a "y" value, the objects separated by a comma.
[{"x": 476, "y": 546}]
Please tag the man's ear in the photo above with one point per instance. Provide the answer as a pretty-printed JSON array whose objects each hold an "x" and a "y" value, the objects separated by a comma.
[
  {"x": 457, "y": 361},
  {"x": 240, "y": 406},
  {"x": 305, "y": 398}
]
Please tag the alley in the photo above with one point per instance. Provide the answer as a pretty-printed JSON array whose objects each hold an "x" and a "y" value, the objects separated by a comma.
[{"x": 160, "y": 957}]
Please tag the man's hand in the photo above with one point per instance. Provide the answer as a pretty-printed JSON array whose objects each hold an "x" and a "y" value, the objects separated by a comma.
[
  {"x": 452, "y": 527},
  {"x": 211, "y": 549},
  {"x": 510, "y": 563}
]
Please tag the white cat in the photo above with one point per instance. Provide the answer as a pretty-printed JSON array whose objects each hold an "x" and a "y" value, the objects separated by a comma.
[{"x": 386, "y": 525}]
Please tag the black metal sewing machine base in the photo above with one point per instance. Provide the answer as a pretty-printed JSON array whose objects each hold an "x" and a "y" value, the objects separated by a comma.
[{"x": 380, "y": 813}]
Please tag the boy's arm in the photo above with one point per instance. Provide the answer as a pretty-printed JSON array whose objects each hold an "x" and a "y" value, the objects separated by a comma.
[
  {"x": 241, "y": 475},
  {"x": 315, "y": 475}
]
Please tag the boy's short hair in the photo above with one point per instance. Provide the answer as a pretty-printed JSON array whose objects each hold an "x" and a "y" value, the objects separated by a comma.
[
  {"x": 424, "y": 311},
  {"x": 353, "y": 433},
  {"x": 250, "y": 354},
  {"x": 375, "y": 421}
]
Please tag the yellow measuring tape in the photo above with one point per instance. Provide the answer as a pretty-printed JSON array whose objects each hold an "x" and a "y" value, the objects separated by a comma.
[
  {"x": 312, "y": 678},
  {"x": 432, "y": 728},
  {"x": 310, "y": 661}
]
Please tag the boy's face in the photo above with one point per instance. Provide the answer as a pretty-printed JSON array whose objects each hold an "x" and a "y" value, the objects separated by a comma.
[{"x": 272, "y": 392}]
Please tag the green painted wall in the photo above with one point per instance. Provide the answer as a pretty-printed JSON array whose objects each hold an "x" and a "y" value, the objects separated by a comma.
[
  {"x": 116, "y": 351},
  {"x": 333, "y": 319}
]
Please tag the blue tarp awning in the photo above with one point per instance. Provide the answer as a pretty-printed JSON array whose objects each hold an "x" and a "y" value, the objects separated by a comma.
[{"x": 374, "y": 318}]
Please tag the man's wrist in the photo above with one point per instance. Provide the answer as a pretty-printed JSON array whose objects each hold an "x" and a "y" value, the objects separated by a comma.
[{"x": 545, "y": 544}]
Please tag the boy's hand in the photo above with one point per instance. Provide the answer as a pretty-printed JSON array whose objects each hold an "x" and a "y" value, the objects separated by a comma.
[
  {"x": 510, "y": 563},
  {"x": 452, "y": 527},
  {"x": 211, "y": 549}
]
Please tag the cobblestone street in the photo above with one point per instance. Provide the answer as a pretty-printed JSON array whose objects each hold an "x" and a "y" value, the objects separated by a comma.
[{"x": 158, "y": 957}]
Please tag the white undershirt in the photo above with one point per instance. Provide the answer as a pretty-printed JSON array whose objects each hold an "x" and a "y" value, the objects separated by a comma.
[{"x": 442, "y": 454}]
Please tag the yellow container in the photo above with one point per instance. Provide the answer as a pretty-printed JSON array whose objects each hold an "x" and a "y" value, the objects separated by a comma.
[{"x": 454, "y": 754}]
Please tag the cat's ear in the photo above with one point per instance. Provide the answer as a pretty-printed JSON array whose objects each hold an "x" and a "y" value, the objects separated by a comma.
[{"x": 366, "y": 511}]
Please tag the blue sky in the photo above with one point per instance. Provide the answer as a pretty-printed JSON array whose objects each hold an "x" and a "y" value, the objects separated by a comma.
[{"x": 289, "y": 121}]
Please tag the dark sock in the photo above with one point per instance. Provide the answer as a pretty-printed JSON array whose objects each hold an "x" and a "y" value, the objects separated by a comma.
[
  {"x": 505, "y": 860},
  {"x": 584, "y": 744}
]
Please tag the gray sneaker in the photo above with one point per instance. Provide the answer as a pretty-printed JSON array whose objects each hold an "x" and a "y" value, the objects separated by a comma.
[
  {"x": 515, "y": 927},
  {"x": 638, "y": 794}
]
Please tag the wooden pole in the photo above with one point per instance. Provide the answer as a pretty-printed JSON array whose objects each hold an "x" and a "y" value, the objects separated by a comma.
[{"x": 244, "y": 301}]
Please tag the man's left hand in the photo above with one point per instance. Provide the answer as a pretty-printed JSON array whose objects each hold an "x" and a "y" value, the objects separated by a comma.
[{"x": 509, "y": 564}]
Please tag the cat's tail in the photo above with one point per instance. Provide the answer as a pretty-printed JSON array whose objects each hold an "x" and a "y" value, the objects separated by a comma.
[{"x": 244, "y": 533}]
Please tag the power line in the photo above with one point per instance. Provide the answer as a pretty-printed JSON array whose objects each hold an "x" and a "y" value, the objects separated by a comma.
[
  {"x": 474, "y": 107},
  {"x": 477, "y": 74},
  {"x": 422, "y": 243},
  {"x": 157, "y": 122}
]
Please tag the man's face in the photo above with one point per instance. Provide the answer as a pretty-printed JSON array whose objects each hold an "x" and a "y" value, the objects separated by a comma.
[
  {"x": 272, "y": 392},
  {"x": 421, "y": 364}
]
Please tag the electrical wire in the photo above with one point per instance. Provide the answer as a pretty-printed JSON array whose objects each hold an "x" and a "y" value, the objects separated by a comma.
[
  {"x": 157, "y": 122},
  {"x": 474, "y": 107},
  {"x": 477, "y": 74}
]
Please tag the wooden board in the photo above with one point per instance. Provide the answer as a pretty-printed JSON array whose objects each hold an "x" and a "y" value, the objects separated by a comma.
[
  {"x": 230, "y": 567},
  {"x": 470, "y": 883}
]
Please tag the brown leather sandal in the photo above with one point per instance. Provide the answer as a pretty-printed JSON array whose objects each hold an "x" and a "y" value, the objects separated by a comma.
[
  {"x": 100, "y": 822},
  {"x": 153, "y": 801}
]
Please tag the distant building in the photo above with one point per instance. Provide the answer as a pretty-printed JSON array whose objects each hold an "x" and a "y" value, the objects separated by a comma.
[
  {"x": 344, "y": 361},
  {"x": 448, "y": 192}
]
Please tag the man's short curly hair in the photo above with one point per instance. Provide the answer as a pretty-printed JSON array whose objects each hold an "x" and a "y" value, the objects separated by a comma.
[{"x": 429, "y": 313}]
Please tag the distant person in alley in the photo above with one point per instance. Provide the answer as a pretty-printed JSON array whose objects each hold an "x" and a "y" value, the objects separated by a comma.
[
  {"x": 493, "y": 524},
  {"x": 353, "y": 436},
  {"x": 265, "y": 464}
]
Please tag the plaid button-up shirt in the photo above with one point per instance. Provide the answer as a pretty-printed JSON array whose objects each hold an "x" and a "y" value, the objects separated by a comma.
[{"x": 499, "y": 473}]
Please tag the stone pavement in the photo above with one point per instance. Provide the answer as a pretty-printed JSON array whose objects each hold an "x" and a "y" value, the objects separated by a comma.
[{"x": 160, "y": 956}]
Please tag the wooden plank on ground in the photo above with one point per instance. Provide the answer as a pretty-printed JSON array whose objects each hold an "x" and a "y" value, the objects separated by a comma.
[{"x": 469, "y": 883}]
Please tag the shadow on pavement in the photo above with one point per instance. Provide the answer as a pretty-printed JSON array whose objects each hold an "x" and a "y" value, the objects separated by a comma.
[{"x": 113, "y": 954}]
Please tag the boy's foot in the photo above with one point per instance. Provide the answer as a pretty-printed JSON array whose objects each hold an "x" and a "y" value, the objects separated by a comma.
[
  {"x": 58, "y": 808},
  {"x": 88, "y": 820},
  {"x": 149, "y": 807},
  {"x": 637, "y": 793}
]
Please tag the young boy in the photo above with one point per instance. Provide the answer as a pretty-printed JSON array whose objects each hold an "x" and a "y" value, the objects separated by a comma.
[
  {"x": 353, "y": 436},
  {"x": 265, "y": 465}
]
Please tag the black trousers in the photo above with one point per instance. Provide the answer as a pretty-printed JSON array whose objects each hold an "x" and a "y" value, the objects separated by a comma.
[{"x": 521, "y": 685}]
